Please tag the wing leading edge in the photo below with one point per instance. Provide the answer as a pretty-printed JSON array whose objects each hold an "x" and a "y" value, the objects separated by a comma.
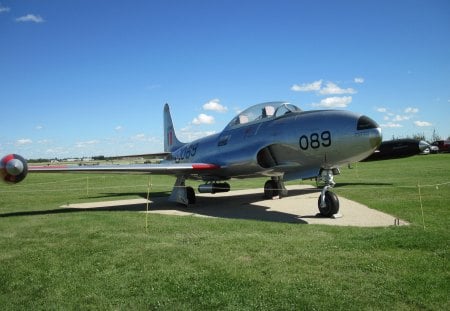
[{"x": 161, "y": 169}]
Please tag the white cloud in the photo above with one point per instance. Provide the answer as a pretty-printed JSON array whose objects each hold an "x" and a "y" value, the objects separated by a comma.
[
  {"x": 4, "y": 9},
  {"x": 118, "y": 128},
  {"x": 140, "y": 137},
  {"x": 359, "y": 80},
  {"x": 333, "y": 89},
  {"x": 84, "y": 144},
  {"x": 30, "y": 18},
  {"x": 214, "y": 105},
  {"x": 391, "y": 125},
  {"x": 411, "y": 110},
  {"x": 24, "y": 141},
  {"x": 307, "y": 87},
  {"x": 57, "y": 151},
  {"x": 400, "y": 118},
  {"x": 203, "y": 119},
  {"x": 187, "y": 134},
  {"x": 143, "y": 138},
  {"x": 330, "y": 88},
  {"x": 334, "y": 102},
  {"x": 39, "y": 127},
  {"x": 422, "y": 123},
  {"x": 389, "y": 116}
]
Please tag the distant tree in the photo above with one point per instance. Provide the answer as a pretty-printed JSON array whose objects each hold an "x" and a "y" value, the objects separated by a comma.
[
  {"x": 40, "y": 160},
  {"x": 435, "y": 136},
  {"x": 418, "y": 136}
]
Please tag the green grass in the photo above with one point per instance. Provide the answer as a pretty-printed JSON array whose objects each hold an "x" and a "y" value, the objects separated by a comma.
[{"x": 109, "y": 260}]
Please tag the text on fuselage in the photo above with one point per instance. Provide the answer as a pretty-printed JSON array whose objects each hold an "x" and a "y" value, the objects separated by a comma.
[{"x": 315, "y": 140}]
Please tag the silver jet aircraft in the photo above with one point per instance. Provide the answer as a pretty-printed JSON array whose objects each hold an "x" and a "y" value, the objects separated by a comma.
[{"x": 274, "y": 139}]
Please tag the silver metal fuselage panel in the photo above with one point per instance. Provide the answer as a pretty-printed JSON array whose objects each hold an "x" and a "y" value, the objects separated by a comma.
[{"x": 294, "y": 145}]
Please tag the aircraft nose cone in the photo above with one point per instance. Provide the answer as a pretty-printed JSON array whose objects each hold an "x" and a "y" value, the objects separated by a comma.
[
  {"x": 367, "y": 124},
  {"x": 423, "y": 145},
  {"x": 14, "y": 167},
  {"x": 375, "y": 138}
]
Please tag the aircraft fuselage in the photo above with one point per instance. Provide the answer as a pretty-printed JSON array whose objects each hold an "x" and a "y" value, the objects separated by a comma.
[{"x": 294, "y": 144}]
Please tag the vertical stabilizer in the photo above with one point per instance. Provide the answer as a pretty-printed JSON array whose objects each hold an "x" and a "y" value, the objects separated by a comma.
[{"x": 171, "y": 142}]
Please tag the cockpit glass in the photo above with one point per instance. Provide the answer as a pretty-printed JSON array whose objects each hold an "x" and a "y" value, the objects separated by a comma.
[
  {"x": 284, "y": 109},
  {"x": 262, "y": 112}
]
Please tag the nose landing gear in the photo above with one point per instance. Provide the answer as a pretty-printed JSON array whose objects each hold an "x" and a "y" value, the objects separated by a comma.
[{"x": 328, "y": 202}]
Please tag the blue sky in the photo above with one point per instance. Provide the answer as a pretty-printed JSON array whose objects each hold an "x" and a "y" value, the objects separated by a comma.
[{"x": 82, "y": 78}]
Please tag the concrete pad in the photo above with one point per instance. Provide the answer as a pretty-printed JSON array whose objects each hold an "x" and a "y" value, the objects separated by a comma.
[
  {"x": 299, "y": 207},
  {"x": 106, "y": 204}
]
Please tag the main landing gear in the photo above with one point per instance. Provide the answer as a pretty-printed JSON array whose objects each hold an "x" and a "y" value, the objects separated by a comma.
[
  {"x": 182, "y": 194},
  {"x": 186, "y": 195},
  {"x": 328, "y": 202},
  {"x": 274, "y": 188}
]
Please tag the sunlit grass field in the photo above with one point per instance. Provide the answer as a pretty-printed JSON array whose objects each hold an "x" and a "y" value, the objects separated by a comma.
[{"x": 51, "y": 258}]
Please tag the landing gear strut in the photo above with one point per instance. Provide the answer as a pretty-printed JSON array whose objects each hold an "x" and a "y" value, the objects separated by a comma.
[
  {"x": 274, "y": 187},
  {"x": 328, "y": 202},
  {"x": 186, "y": 195},
  {"x": 182, "y": 194}
]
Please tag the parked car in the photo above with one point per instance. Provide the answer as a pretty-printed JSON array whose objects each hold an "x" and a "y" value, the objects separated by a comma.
[
  {"x": 430, "y": 149},
  {"x": 442, "y": 145},
  {"x": 434, "y": 149}
]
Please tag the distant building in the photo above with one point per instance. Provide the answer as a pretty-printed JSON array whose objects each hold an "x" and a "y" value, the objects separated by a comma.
[{"x": 72, "y": 160}]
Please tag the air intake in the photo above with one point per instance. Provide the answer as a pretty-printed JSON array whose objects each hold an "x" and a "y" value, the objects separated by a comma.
[{"x": 365, "y": 123}]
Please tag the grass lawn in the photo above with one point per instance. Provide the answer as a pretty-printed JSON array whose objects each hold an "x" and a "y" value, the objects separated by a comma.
[{"x": 53, "y": 259}]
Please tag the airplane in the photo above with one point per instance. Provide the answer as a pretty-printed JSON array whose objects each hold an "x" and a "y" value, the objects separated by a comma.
[{"x": 274, "y": 139}]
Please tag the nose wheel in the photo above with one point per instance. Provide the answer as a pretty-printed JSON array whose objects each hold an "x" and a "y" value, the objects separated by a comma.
[{"x": 328, "y": 202}]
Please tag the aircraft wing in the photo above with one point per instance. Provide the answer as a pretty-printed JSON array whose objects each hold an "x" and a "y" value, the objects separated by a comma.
[{"x": 158, "y": 169}]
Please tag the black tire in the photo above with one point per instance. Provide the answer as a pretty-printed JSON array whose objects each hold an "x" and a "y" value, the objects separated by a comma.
[
  {"x": 332, "y": 204},
  {"x": 270, "y": 189},
  {"x": 190, "y": 192}
]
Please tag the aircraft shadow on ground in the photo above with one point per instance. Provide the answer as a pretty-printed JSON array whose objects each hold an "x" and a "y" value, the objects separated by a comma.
[
  {"x": 239, "y": 206},
  {"x": 139, "y": 194},
  {"x": 338, "y": 185}
]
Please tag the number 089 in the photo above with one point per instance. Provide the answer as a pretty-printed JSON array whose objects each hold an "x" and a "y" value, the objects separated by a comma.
[{"x": 315, "y": 140}]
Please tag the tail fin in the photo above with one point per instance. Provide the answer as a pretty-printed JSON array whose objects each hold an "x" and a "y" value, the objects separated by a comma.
[{"x": 171, "y": 141}]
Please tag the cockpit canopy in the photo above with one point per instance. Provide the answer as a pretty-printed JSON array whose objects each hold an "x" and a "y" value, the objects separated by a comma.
[{"x": 262, "y": 112}]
